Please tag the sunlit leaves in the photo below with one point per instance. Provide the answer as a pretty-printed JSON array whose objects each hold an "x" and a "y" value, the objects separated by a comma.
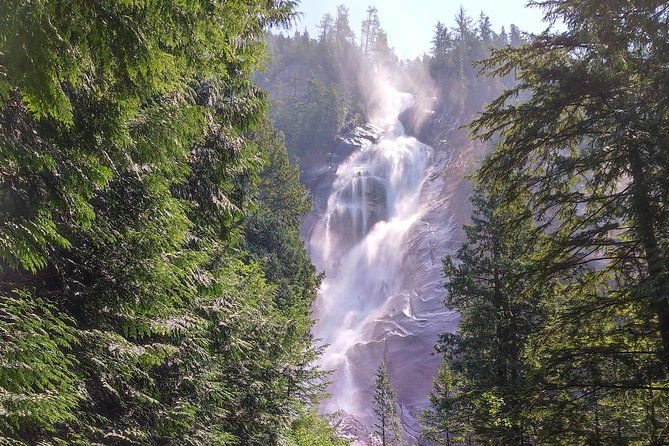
[
  {"x": 38, "y": 385},
  {"x": 131, "y": 312}
]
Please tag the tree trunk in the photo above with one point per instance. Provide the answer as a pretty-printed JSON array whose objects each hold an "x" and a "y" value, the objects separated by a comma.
[
  {"x": 598, "y": 433},
  {"x": 383, "y": 430},
  {"x": 655, "y": 265}
]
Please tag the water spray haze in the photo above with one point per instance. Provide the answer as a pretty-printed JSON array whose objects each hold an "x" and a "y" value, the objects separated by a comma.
[
  {"x": 358, "y": 242},
  {"x": 381, "y": 98}
]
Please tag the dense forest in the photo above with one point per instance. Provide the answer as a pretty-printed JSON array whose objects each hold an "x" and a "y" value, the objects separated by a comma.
[
  {"x": 154, "y": 287},
  {"x": 323, "y": 86},
  {"x": 562, "y": 284}
]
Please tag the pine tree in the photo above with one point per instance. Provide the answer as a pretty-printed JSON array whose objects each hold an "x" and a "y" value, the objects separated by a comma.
[
  {"x": 464, "y": 29},
  {"x": 515, "y": 37},
  {"x": 384, "y": 405},
  {"x": 326, "y": 26},
  {"x": 441, "y": 42},
  {"x": 318, "y": 103},
  {"x": 445, "y": 420},
  {"x": 342, "y": 28},
  {"x": 369, "y": 32},
  {"x": 485, "y": 27},
  {"x": 606, "y": 129}
]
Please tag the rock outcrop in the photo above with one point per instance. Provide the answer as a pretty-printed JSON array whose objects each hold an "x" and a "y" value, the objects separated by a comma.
[
  {"x": 350, "y": 428},
  {"x": 391, "y": 287}
]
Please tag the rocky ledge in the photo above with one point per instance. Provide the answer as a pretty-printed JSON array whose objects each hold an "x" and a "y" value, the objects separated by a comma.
[{"x": 353, "y": 430}]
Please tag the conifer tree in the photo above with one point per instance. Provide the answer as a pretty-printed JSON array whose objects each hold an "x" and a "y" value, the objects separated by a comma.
[
  {"x": 441, "y": 41},
  {"x": 384, "y": 405},
  {"x": 135, "y": 307},
  {"x": 369, "y": 32},
  {"x": 445, "y": 420},
  {"x": 590, "y": 117},
  {"x": 587, "y": 143},
  {"x": 485, "y": 27},
  {"x": 487, "y": 285},
  {"x": 325, "y": 25},
  {"x": 342, "y": 28}
]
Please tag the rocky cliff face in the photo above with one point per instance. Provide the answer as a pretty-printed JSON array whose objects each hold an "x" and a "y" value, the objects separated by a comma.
[
  {"x": 358, "y": 433},
  {"x": 386, "y": 236}
]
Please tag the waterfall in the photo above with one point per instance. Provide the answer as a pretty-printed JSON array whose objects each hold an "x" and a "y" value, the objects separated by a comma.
[{"x": 361, "y": 242}]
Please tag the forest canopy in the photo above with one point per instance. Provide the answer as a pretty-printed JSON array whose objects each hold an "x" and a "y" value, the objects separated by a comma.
[
  {"x": 562, "y": 282},
  {"x": 153, "y": 286}
]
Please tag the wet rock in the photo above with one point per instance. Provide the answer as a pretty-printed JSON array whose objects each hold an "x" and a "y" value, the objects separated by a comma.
[
  {"x": 394, "y": 308},
  {"x": 369, "y": 195},
  {"x": 318, "y": 174},
  {"x": 355, "y": 139},
  {"x": 420, "y": 119},
  {"x": 404, "y": 332},
  {"x": 354, "y": 430},
  {"x": 431, "y": 121}
]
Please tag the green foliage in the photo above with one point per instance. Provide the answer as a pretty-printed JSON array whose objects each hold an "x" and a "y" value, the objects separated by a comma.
[
  {"x": 452, "y": 64},
  {"x": 311, "y": 429},
  {"x": 313, "y": 108},
  {"x": 445, "y": 420},
  {"x": 580, "y": 157},
  {"x": 320, "y": 87},
  {"x": 586, "y": 143},
  {"x": 374, "y": 41},
  {"x": 322, "y": 115},
  {"x": 488, "y": 285},
  {"x": 153, "y": 286},
  {"x": 384, "y": 404},
  {"x": 281, "y": 192},
  {"x": 37, "y": 384}
]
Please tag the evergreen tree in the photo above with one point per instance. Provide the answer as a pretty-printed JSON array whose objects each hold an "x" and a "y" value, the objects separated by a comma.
[
  {"x": 463, "y": 30},
  {"x": 326, "y": 26},
  {"x": 369, "y": 32},
  {"x": 133, "y": 306},
  {"x": 515, "y": 38},
  {"x": 441, "y": 42},
  {"x": 485, "y": 28},
  {"x": 384, "y": 405},
  {"x": 342, "y": 28},
  {"x": 452, "y": 63},
  {"x": 488, "y": 287},
  {"x": 587, "y": 144},
  {"x": 445, "y": 420},
  {"x": 503, "y": 37},
  {"x": 315, "y": 103}
]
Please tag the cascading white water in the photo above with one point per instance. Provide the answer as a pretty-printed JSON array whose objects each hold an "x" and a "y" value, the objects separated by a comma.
[{"x": 375, "y": 200}]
